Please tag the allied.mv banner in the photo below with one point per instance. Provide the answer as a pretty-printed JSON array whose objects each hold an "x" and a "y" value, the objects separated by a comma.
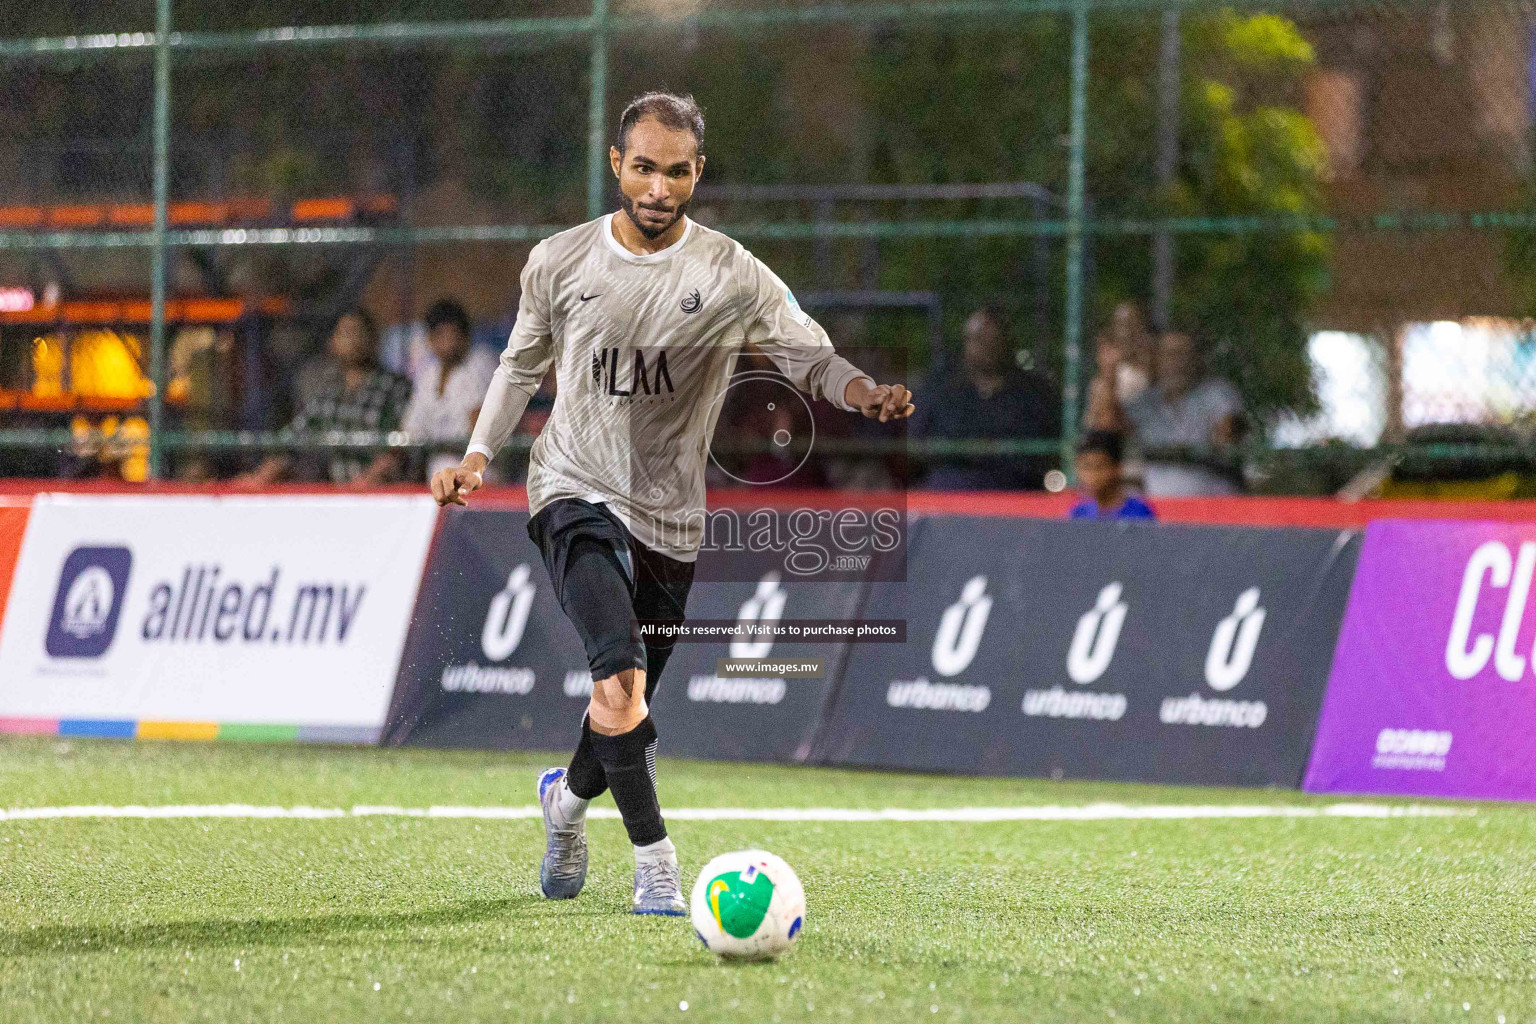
[{"x": 284, "y": 611}]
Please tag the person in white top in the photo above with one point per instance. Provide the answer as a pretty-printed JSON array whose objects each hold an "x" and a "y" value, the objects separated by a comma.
[
  {"x": 452, "y": 384},
  {"x": 642, "y": 313}
]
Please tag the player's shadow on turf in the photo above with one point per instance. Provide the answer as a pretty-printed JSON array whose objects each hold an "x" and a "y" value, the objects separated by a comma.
[{"x": 272, "y": 931}]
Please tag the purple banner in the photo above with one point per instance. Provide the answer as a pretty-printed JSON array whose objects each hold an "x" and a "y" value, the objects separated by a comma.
[{"x": 1433, "y": 688}]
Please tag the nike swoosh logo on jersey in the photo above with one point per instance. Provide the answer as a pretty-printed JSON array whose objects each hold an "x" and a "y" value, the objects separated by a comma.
[{"x": 588, "y": 298}]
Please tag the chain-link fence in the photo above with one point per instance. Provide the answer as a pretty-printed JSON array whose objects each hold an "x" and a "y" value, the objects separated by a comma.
[{"x": 1334, "y": 199}]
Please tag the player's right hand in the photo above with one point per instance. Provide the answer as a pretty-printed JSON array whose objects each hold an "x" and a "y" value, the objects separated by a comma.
[{"x": 452, "y": 485}]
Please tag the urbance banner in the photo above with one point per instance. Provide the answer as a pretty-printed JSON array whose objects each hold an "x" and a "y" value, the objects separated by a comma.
[
  {"x": 1177, "y": 654},
  {"x": 492, "y": 662},
  {"x": 700, "y": 713},
  {"x": 1433, "y": 688},
  {"x": 230, "y": 610}
]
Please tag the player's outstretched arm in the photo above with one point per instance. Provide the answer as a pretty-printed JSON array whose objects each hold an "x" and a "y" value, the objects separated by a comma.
[
  {"x": 523, "y": 364},
  {"x": 451, "y": 485},
  {"x": 879, "y": 401}
]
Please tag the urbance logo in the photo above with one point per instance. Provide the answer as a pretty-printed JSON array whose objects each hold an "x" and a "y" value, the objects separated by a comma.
[
  {"x": 506, "y": 619},
  {"x": 954, "y": 648},
  {"x": 507, "y": 616},
  {"x": 711, "y": 689},
  {"x": 960, "y": 628},
  {"x": 926, "y": 696},
  {"x": 765, "y": 607},
  {"x": 1227, "y": 662},
  {"x": 1232, "y": 645},
  {"x": 1097, "y": 633},
  {"x": 92, "y": 584},
  {"x": 1088, "y": 657}
]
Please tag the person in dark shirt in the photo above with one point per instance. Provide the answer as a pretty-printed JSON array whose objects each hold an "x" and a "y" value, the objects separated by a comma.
[
  {"x": 362, "y": 396},
  {"x": 1099, "y": 479},
  {"x": 990, "y": 397}
]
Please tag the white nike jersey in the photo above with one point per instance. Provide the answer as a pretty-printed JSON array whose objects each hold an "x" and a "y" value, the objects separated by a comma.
[{"x": 644, "y": 348}]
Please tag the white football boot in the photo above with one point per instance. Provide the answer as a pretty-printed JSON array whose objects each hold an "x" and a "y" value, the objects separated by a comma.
[{"x": 659, "y": 887}]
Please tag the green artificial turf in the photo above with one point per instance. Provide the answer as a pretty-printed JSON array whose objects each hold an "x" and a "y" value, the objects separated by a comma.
[{"x": 431, "y": 919}]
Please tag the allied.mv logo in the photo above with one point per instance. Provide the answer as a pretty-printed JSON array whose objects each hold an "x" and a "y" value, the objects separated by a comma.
[{"x": 92, "y": 585}]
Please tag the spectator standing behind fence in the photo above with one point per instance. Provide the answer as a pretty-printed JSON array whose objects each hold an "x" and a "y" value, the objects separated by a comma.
[
  {"x": 1101, "y": 480},
  {"x": 450, "y": 385},
  {"x": 1123, "y": 355},
  {"x": 403, "y": 346},
  {"x": 990, "y": 397},
  {"x": 1125, "y": 347},
  {"x": 362, "y": 396},
  {"x": 1183, "y": 422}
]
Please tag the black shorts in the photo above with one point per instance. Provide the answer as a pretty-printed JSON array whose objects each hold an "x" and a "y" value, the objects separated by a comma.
[{"x": 608, "y": 583}]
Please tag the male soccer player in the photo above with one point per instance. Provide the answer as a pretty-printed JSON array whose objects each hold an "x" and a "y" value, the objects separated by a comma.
[{"x": 643, "y": 313}]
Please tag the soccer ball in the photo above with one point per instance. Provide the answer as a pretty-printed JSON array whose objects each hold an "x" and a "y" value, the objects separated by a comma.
[{"x": 747, "y": 905}]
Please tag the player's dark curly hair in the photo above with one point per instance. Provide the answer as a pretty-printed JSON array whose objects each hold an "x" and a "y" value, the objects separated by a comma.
[{"x": 678, "y": 112}]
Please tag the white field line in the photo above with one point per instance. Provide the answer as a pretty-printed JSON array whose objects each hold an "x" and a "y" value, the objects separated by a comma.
[{"x": 1086, "y": 812}]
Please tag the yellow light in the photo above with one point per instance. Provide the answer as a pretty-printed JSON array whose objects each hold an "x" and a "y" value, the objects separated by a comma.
[
  {"x": 104, "y": 364},
  {"x": 136, "y": 466},
  {"x": 47, "y": 367}
]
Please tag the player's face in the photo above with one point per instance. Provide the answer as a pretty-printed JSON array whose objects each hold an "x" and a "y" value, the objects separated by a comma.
[{"x": 657, "y": 173}]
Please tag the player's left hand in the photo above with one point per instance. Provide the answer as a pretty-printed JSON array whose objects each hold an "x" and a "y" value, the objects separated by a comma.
[{"x": 886, "y": 402}]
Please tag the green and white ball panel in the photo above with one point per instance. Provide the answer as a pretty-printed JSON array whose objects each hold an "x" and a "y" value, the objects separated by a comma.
[{"x": 747, "y": 905}]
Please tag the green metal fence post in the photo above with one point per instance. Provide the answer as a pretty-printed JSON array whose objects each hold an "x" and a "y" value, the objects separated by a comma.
[
  {"x": 162, "y": 175},
  {"x": 597, "y": 111},
  {"x": 1072, "y": 369}
]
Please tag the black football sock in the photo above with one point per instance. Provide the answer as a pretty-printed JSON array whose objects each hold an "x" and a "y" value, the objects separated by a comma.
[
  {"x": 624, "y": 763},
  {"x": 585, "y": 777}
]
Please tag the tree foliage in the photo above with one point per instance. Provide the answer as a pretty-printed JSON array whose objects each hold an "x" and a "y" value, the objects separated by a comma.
[{"x": 993, "y": 105}]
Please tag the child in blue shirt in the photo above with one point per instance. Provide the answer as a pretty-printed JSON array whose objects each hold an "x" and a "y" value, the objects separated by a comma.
[{"x": 1100, "y": 481}]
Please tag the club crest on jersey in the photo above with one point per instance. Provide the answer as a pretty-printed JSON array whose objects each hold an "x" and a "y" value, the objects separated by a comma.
[
  {"x": 644, "y": 377},
  {"x": 691, "y": 302}
]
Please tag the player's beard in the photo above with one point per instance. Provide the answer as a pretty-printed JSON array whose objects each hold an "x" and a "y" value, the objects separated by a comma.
[{"x": 630, "y": 210}]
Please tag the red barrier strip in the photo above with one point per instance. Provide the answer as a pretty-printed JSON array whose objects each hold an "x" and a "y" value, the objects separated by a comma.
[
  {"x": 1234, "y": 511},
  {"x": 13, "y": 526},
  {"x": 137, "y": 311}
]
